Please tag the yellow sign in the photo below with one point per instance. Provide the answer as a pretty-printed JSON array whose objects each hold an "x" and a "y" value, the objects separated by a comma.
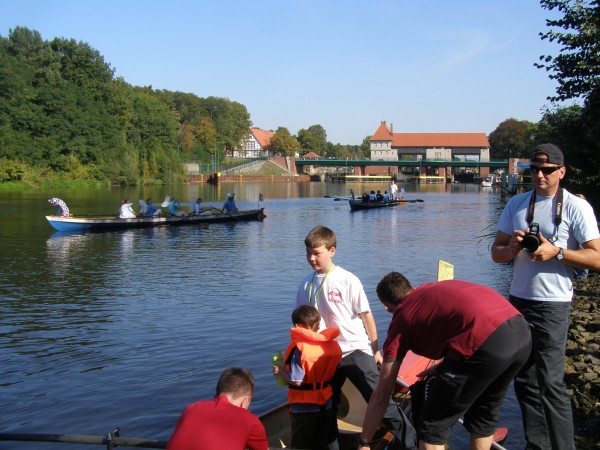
[{"x": 445, "y": 271}]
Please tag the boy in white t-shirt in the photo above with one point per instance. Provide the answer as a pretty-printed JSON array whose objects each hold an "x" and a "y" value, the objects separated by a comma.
[{"x": 340, "y": 298}]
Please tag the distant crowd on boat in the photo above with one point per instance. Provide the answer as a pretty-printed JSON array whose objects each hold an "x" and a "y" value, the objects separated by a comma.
[
  {"x": 173, "y": 208},
  {"x": 378, "y": 197}
]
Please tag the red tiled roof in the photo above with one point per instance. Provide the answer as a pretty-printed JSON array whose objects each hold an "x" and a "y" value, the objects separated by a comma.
[
  {"x": 429, "y": 140},
  {"x": 311, "y": 155},
  {"x": 382, "y": 133},
  {"x": 262, "y": 136}
]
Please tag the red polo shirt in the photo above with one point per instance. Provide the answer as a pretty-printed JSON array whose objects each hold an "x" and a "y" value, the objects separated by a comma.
[
  {"x": 448, "y": 318},
  {"x": 217, "y": 425}
]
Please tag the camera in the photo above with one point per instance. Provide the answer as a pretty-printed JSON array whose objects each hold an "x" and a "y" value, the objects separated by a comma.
[{"x": 531, "y": 242}]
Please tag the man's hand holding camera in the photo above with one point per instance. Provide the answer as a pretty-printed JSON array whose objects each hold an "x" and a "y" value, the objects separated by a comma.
[{"x": 534, "y": 244}]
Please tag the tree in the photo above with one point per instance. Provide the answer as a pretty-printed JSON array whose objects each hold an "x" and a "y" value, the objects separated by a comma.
[
  {"x": 512, "y": 139},
  {"x": 283, "y": 143},
  {"x": 364, "y": 151},
  {"x": 314, "y": 139},
  {"x": 231, "y": 120},
  {"x": 577, "y": 67},
  {"x": 571, "y": 129}
]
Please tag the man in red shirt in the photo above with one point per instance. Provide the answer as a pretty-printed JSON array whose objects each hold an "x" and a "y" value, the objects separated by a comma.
[
  {"x": 483, "y": 340},
  {"x": 222, "y": 423}
]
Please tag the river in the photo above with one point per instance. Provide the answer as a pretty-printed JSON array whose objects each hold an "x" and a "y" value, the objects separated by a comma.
[{"x": 125, "y": 328}]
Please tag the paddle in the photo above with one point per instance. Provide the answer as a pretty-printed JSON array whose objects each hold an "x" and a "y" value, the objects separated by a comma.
[
  {"x": 225, "y": 212},
  {"x": 165, "y": 204}
]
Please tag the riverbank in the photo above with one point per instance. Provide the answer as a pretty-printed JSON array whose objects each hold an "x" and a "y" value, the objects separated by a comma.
[{"x": 582, "y": 364}]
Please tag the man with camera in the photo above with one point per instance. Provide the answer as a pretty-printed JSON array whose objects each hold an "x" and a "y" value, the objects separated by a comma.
[{"x": 545, "y": 233}]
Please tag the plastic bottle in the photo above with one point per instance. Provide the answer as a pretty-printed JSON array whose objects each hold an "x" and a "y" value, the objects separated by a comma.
[{"x": 278, "y": 361}]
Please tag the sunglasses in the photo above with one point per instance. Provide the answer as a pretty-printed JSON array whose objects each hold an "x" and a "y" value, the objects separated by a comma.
[{"x": 544, "y": 170}]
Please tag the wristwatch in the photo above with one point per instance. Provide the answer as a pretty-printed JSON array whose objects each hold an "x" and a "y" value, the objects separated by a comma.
[
  {"x": 560, "y": 255},
  {"x": 363, "y": 443}
]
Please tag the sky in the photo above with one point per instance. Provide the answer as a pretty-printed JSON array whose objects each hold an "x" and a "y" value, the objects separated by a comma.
[{"x": 347, "y": 65}]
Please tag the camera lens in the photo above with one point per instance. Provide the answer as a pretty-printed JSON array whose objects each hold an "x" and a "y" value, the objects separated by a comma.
[{"x": 530, "y": 243}]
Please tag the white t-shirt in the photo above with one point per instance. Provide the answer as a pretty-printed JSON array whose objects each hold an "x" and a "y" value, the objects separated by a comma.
[
  {"x": 548, "y": 280},
  {"x": 340, "y": 300},
  {"x": 125, "y": 212}
]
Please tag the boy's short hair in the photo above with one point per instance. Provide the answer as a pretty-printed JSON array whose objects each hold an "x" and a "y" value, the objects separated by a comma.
[
  {"x": 320, "y": 236},
  {"x": 236, "y": 381},
  {"x": 306, "y": 315},
  {"x": 393, "y": 288}
]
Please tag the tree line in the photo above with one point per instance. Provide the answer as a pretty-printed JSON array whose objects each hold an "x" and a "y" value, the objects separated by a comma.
[
  {"x": 574, "y": 127},
  {"x": 65, "y": 116}
]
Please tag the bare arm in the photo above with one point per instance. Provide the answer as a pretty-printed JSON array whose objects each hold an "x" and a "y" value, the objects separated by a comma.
[
  {"x": 371, "y": 328},
  {"x": 379, "y": 399},
  {"x": 506, "y": 246},
  {"x": 586, "y": 258},
  {"x": 281, "y": 373}
]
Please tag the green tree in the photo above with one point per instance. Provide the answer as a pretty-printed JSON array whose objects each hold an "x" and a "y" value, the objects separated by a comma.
[
  {"x": 231, "y": 121},
  {"x": 577, "y": 67},
  {"x": 283, "y": 143},
  {"x": 313, "y": 139},
  {"x": 512, "y": 138},
  {"x": 364, "y": 150},
  {"x": 570, "y": 128}
]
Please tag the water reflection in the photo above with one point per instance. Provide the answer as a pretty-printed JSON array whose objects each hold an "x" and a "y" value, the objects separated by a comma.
[{"x": 126, "y": 327}]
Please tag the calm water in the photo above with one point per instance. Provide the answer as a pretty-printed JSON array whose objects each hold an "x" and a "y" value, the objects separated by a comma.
[{"x": 126, "y": 328}]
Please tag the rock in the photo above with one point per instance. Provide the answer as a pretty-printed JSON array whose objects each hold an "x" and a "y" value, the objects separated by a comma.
[{"x": 582, "y": 362}]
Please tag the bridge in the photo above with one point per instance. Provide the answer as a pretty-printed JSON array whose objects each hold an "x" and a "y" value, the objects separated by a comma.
[
  {"x": 494, "y": 164},
  {"x": 426, "y": 167}
]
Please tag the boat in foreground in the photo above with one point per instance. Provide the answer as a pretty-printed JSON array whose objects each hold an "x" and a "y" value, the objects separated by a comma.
[
  {"x": 71, "y": 223},
  {"x": 351, "y": 412}
]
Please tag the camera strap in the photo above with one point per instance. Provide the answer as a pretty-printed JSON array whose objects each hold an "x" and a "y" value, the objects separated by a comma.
[{"x": 558, "y": 207}]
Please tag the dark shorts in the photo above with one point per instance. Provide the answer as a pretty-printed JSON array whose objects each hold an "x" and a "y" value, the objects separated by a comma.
[{"x": 475, "y": 387}]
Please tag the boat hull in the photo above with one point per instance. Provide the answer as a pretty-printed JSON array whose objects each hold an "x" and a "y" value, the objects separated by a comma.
[
  {"x": 351, "y": 409},
  {"x": 357, "y": 205},
  {"x": 111, "y": 223}
]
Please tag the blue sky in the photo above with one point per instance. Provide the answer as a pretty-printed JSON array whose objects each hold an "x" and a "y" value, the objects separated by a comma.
[{"x": 424, "y": 66}]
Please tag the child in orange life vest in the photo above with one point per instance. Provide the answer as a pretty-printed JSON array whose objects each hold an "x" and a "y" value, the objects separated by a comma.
[{"x": 310, "y": 362}]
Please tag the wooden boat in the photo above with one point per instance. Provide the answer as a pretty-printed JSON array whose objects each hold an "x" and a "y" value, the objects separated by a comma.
[
  {"x": 359, "y": 205},
  {"x": 71, "y": 223},
  {"x": 351, "y": 410}
]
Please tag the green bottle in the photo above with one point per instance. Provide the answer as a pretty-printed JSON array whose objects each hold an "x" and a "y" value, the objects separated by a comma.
[{"x": 278, "y": 361}]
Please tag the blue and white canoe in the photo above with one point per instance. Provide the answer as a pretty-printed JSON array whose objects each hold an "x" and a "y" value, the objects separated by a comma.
[{"x": 72, "y": 223}]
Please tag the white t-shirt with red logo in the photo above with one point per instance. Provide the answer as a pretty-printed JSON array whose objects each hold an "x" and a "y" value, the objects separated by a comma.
[{"x": 340, "y": 302}]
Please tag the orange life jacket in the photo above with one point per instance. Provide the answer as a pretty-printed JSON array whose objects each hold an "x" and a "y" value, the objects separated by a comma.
[{"x": 320, "y": 355}]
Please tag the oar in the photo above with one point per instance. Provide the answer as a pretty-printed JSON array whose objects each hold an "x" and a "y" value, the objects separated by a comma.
[
  {"x": 225, "y": 212},
  {"x": 418, "y": 200},
  {"x": 84, "y": 439}
]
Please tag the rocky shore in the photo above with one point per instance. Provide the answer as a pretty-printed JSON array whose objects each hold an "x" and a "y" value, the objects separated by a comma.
[{"x": 582, "y": 364}]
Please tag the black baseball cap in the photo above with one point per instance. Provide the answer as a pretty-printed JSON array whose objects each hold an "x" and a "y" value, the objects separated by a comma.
[{"x": 554, "y": 154}]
